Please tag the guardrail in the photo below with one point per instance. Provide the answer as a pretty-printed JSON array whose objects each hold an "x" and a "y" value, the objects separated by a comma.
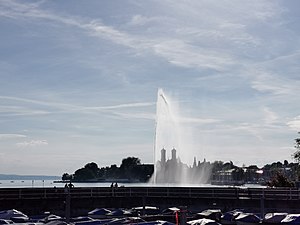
[{"x": 155, "y": 192}]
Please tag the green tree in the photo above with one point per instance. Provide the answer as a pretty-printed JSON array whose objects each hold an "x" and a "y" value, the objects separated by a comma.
[
  {"x": 280, "y": 180},
  {"x": 83, "y": 174},
  {"x": 127, "y": 168},
  {"x": 130, "y": 162},
  {"x": 296, "y": 156},
  {"x": 90, "y": 171},
  {"x": 93, "y": 167},
  {"x": 66, "y": 176},
  {"x": 297, "y": 146},
  {"x": 217, "y": 166},
  {"x": 113, "y": 171}
]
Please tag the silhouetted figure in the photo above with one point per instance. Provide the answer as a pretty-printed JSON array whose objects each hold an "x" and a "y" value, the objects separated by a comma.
[
  {"x": 66, "y": 188},
  {"x": 112, "y": 189},
  {"x": 70, "y": 185},
  {"x": 116, "y": 185}
]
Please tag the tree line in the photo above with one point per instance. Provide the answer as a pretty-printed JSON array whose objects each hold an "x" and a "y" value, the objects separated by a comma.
[{"x": 130, "y": 170}]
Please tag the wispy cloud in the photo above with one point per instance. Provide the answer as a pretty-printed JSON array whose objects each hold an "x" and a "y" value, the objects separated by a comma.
[
  {"x": 270, "y": 116},
  {"x": 36, "y": 102},
  {"x": 16, "y": 10},
  {"x": 16, "y": 106},
  {"x": 268, "y": 83},
  {"x": 294, "y": 124},
  {"x": 31, "y": 107},
  {"x": 135, "y": 115},
  {"x": 32, "y": 143},
  {"x": 141, "y": 20},
  {"x": 11, "y": 136},
  {"x": 197, "y": 121},
  {"x": 190, "y": 56},
  {"x": 121, "y": 106},
  {"x": 187, "y": 52},
  {"x": 11, "y": 111}
]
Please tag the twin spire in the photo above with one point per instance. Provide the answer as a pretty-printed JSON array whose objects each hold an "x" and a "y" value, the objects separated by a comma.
[{"x": 163, "y": 158}]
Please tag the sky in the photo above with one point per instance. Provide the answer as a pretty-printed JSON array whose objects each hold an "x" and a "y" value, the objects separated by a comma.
[{"x": 79, "y": 80}]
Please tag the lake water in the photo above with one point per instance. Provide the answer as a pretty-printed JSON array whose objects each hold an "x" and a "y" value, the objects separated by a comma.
[{"x": 52, "y": 183}]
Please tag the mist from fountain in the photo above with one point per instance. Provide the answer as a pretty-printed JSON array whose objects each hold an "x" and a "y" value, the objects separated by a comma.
[{"x": 174, "y": 146}]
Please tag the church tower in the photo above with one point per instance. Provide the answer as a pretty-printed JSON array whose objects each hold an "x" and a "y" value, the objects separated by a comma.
[
  {"x": 163, "y": 156},
  {"x": 173, "y": 154},
  {"x": 195, "y": 163}
]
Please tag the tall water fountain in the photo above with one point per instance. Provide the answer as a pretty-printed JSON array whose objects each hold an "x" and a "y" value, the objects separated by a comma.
[{"x": 174, "y": 147}]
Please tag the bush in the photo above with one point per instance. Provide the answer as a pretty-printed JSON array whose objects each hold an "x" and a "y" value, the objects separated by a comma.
[{"x": 280, "y": 180}]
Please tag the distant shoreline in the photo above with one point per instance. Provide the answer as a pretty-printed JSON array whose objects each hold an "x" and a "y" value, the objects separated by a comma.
[
  {"x": 27, "y": 177},
  {"x": 99, "y": 181}
]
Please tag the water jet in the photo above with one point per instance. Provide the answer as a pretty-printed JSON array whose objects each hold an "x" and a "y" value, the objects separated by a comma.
[{"x": 172, "y": 135}]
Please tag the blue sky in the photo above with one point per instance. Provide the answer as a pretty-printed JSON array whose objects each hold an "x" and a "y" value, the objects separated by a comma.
[{"x": 79, "y": 80}]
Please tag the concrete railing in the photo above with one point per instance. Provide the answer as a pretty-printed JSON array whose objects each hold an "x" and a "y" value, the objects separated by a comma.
[{"x": 155, "y": 192}]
